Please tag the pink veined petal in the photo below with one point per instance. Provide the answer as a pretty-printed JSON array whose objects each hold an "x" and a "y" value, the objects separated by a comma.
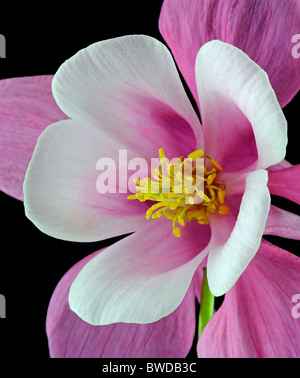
[
  {"x": 282, "y": 223},
  {"x": 71, "y": 337},
  {"x": 256, "y": 319},
  {"x": 283, "y": 164},
  {"x": 197, "y": 279},
  {"x": 262, "y": 29},
  {"x": 286, "y": 183},
  {"x": 130, "y": 88},
  {"x": 236, "y": 238},
  {"x": 61, "y": 194},
  {"x": 243, "y": 123},
  {"x": 27, "y": 107},
  {"x": 142, "y": 278}
]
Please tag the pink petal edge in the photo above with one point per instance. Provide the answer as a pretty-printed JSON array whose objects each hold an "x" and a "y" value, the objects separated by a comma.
[
  {"x": 256, "y": 319},
  {"x": 262, "y": 29},
  {"x": 27, "y": 107},
  {"x": 71, "y": 337}
]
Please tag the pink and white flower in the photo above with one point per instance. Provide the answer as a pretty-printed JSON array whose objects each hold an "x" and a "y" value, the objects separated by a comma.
[{"x": 128, "y": 94}]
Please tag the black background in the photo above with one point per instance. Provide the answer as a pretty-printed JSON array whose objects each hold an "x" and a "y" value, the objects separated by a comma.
[{"x": 38, "y": 41}]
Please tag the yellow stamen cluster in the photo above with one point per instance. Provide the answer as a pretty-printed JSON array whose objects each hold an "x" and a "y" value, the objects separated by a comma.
[{"x": 183, "y": 191}]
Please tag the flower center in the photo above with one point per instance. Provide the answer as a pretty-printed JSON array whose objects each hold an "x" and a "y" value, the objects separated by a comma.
[{"x": 184, "y": 190}]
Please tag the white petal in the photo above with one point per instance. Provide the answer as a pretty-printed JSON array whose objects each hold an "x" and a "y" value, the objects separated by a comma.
[
  {"x": 142, "y": 278},
  {"x": 60, "y": 192},
  {"x": 234, "y": 245},
  {"x": 129, "y": 86},
  {"x": 242, "y": 120}
]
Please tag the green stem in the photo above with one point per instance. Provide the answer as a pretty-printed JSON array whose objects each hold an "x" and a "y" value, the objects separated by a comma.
[{"x": 206, "y": 304}]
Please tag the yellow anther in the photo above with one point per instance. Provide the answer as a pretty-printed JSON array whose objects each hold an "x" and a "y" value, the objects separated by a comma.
[
  {"x": 173, "y": 205},
  {"x": 212, "y": 194},
  {"x": 214, "y": 163},
  {"x": 176, "y": 232},
  {"x": 133, "y": 196},
  {"x": 162, "y": 155},
  {"x": 175, "y": 188},
  {"x": 181, "y": 221},
  {"x": 210, "y": 178},
  {"x": 202, "y": 195},
  {"x": 221, "y": 196},
  {"x": 140, "y": 197},
  {"x": 152, "y": 208},
  {"x": 223, "y": 210},
  {"x": 211, "y": 207},
  {"x": 196, "y": 154},
  {"x": 191, "y": 200}
]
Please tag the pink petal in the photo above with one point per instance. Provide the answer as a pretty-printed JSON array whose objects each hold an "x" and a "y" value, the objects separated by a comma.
[
  {"x": 283, "y": 223},
  {"x": 142, "y": 278},
  {"x": 60, "y": 189},
  {"x": 243, "y": 123},
  {"x": 256, "y": 318},
  {"x": 286, "y": 183},
  {"x": 262, "y": 29},
  {"x": 70, "y": 337},
  {"x": 197, "y": 279},
  {"x": 283, "y": 164},
  {"x": 130, "y": 88},
  {"x": 26, "y": 108}
]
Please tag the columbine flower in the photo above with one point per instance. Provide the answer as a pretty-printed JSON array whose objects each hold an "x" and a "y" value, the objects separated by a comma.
[{"x": 126, "y": 93}]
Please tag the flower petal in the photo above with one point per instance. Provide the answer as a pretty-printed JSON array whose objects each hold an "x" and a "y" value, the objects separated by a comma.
[
  {"x": 71, "y": 337},
  {"x": 283, "y": 223},
  {"x": 26, "y": 108},
  {"x": 197, "y": 279},
  {"x": 283, "y": 164},
  {"x": 129, "y": 86},
  {"x": 286, "y": 183},
  {"x": 262, "y": 29},
  {"x": 60, "y": 187},
  {"x": 242, "y": 120},
  {"x": 256, "y": 319},
  {"x": 234, "y": 244},
  {"x": 140, "y": 279}
]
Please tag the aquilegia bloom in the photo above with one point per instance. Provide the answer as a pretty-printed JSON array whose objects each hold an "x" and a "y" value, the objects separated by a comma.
[{"x": 126, "y": 93}]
